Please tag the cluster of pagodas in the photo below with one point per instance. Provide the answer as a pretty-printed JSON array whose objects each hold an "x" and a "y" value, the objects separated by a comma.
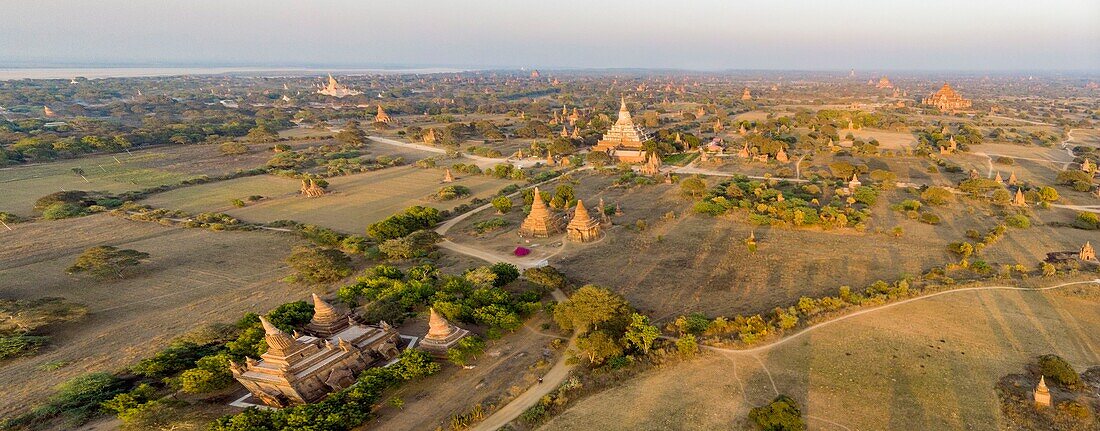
[{"x": 540, "y": 223}]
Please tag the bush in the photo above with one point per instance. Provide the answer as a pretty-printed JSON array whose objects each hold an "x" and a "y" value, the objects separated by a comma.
[
  {"x": 937, "y": 196},
  {"x": 505, "y": 272},
  {"x": 466, "y": 350},
  {"x": 503, "y": 204},
  {"x": 233, "y": 148},
  {"x": 20, "y": 345},
  {"x": 447, "y": 193},
  {"x": 782, "y": 414},
  {"x": 399, "y": 225},
  {"x": 1059, "y": 371},
  {"x": 60, "y": 211},
  {"x": 1018, "y": 221},
  {"x": 929, "y": 218},
  {"x": 687, "y": 345},
  {"x": 319, "y": 265},
  {"x": 546, "y": 276},
  {"x": 1087, "y": 220}
]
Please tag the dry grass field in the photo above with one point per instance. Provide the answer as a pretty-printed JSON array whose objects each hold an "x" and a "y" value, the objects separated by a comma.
[
  {"x": 193, "y": 277},
  {"x": 929, "y": 364},
  {"x": 353, "y": 202},
  {"x": 888, "y": 140},
  {"x": 694, "y": 263},
  {"x": 20, "y": 186}
]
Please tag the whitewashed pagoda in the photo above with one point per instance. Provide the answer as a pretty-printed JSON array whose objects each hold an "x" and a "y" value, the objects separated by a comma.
[
  {"x": 624, "y": 140},
  {"x": 336, "y": 89}
]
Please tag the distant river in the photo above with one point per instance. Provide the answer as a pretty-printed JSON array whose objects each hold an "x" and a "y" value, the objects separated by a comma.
[{"x": 7, "y": 74}]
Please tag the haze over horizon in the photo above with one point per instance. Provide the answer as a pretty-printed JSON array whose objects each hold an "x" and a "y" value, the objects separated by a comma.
[{"x": 983, "y": 35}]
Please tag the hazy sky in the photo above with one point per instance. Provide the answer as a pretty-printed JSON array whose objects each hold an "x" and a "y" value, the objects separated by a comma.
[{"x": 712, "y": 34}]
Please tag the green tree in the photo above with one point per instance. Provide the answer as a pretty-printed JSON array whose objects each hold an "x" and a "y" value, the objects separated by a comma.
[
  {"x": 937, "y": 196},
  {"x": 598, "y": 159},
  {"x": 210, "y": 374},
  {"x": 503, "y": 204},
  {"x": 640, "y": 334},
  {"x": 687, "y": 345},
  {"x": 599, "y": 346},
  {"x": 693, "y": 186},
  {"x": 107, "y": 261},
  {"x": 319, "y": 265},
  {"x": 466, "y": 350},
  {"x": 589, "y": 307},
  {"x": 262, "y": 133}
]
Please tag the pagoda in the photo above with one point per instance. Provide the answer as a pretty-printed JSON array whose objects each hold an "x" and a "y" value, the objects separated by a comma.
[
  {"x": 582, "y": 228},
  {"x": 1018, "y": 199},
  {"x": 302, "y": 369},
  {"x": 1012, "y": 179},
  {"x": 336, "y": 89},
  {"x": 746, "y": 94},
  {"x": 946, "y": 99},
  {"x": 1042, "y": 393},
  {"x": 623, "y": 140},
  {"x": 448, "y": 177},
  {"x": 429, "y": 137},
  {"x": 311, "y": 189},
  {"x": 781, "y": 156},
  {"x": 442, "y": 335},
  {"x": 884, "y": 82},
  {"x": 382, "y": 117},
  {"x": 1087, "y": 252},
  {"x": 652, "y": 165},
  {"x": 854, "y": 183},
  {"x": 539, "y": 223}
]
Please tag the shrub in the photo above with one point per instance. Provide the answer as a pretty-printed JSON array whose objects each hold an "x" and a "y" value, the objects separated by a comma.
[
  {"x": 505, "y": 272},
  {"x": 687, "y": 345},
  {"x": 1018, "y": 221},
  {"x": 782, "y": 414},
  {"x": 447, "y": 193},
  {"x": 319, "y": 265},
  {"x": 937, "y": 196},
  {"x": 929, "y": 218},
  {"x": 399, "y": 225},
  {"x": 503, "y": 204},
  {"x": 60, "y": 211},
  {"x": 1087, "y": 220},
  {"x": 233, "y": 148},
  {"x": 1058, "y": 370},
  {"x": 20, "y": 345}
]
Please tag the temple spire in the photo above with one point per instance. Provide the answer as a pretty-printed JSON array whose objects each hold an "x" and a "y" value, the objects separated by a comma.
[
  {"x": 438, "y": 327},
  {"x": 278, "y": 342}
]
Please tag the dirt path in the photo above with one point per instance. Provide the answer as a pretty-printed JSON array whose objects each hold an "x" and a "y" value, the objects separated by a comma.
[
  {"x": 482, "y": 162},
  {"x": 550, "y": 381}
]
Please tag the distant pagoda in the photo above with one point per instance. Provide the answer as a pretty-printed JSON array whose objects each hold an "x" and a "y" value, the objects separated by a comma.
[
  {"x": 746, "y": 94},
  {"x": 336, "y": 89},
  {"x": 1087, "y": 252},
  {"x": 884, "y": 83},
  {"x": 947, "y": 99},
  {"x": 311, "y": 189},
  {"x": 539, "y": 223},
  {"x": 582, "y": 228},
  {"x": 624, "y": 140},
  {"x": 382, "y": 116}
]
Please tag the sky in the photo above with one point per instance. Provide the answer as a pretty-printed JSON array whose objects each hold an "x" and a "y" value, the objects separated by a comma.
[{"x": 933, "y": 35}]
